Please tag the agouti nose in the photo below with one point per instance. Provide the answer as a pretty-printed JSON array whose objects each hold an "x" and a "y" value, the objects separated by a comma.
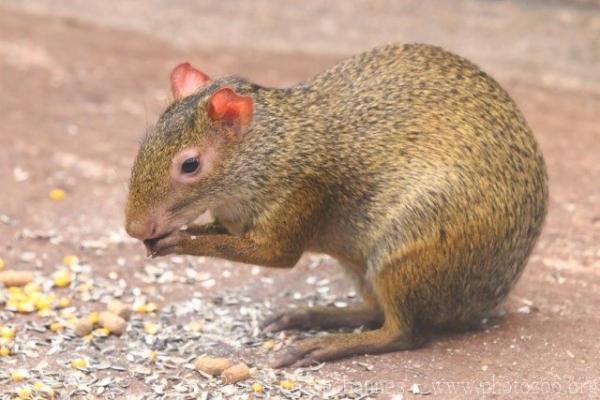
[{"x": 141, "y": 230}]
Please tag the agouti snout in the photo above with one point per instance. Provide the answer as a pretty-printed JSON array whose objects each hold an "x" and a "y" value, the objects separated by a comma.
[{"x": 407, "y": 163}]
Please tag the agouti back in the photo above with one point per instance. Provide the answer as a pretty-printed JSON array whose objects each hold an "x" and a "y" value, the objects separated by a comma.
[{"x": 406, "y": 163}]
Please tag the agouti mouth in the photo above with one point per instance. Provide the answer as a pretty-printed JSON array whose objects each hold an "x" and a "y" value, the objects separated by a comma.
[{"x": 149, "y": 244}]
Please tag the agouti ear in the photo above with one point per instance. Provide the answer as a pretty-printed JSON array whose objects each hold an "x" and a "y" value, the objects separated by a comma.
[
  {"x": 186, "y": 79},
  {"x": 230, "y": 110}
]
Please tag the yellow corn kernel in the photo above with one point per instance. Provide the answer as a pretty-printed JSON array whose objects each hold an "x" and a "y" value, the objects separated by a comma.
[
  {"x": 24, "y": 393},
  {"x": 4, "y": 351},
  {"x": 57, "y": 194},
  {"x": 101, "y": 332},
  {"x": 35, "y": 296},
  {"x": 257, "y": 387},
  {"x": 17, "y": 375},
  {"x": 62, "y": 278},
  {"x": 55, "y": 327},
  {"x": 44, "y": 312},
  {"x": 79, "y": 363},
  {"x": 17, "y": 295},
  {"x": 287, "y": 384},
  {"x": 88, "y": 338},
  {"x": 7, "y": 332},
  {"x": 64, "y": 302},
  {"x": 70, "y": 260},
  {"x": 152, "y": 355},
  {"x": 12, "y": 305},
  {"x": 48, "y": 391},
  {"x": 151, "y": 328},
  {"x": 195, "y": 326},
  {"x": 2, "y": 264},
  {"x": 31, "y": 288},
  {"x": 71, "y": 322},
  {"x": 67, "y": 314},
  {"x": 140, "y": 308},
  {"x": 43, "y": 303},
  {"x": 26, "y": 307},
  {"x": 94, "y": 317}
]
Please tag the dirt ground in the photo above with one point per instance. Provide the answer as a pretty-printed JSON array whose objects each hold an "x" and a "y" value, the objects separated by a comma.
[{"x": 78, "y": 89}]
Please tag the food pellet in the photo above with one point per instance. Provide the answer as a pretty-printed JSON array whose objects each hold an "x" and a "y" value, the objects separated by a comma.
[
  {"x": 237, "y": 373},
  {"x": 212, "y": 366},
  {"x": 112, "y": 322},
  {"x": 83, "y": 327},
  {"x": 11, "y": 277},
  {"x": 119, "y": 308}
]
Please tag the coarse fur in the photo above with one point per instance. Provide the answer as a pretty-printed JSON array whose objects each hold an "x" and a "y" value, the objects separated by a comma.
[{"x": 406, "y": 163}]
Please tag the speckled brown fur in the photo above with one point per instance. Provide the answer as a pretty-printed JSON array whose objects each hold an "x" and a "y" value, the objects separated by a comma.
[{"x": 407, "y": 163}]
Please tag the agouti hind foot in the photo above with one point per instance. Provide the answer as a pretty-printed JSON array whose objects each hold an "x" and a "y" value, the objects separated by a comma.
[
  {"x": 324, "y": 318},
  {"x": 313, "y": 351}
]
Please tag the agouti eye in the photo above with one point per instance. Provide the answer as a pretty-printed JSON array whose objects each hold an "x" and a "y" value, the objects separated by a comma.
[{"x": 190, "y": 165}]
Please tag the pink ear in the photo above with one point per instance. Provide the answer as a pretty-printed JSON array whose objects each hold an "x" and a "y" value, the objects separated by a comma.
[
  {"x": 186, "y": 79},
  {"x": 228, "y": 108}
]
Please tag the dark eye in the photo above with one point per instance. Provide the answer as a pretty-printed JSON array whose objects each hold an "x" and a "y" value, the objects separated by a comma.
[{"x": 190, "y": 165}]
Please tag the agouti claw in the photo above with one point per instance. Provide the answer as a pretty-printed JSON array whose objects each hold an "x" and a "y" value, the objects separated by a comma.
[{"x": 284, "y": 321}]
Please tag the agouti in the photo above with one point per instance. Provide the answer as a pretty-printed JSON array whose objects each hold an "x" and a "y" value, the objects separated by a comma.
[{"x": 406, "y": 163}]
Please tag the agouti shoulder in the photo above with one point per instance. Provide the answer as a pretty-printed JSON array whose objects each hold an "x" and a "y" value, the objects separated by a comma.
[{"x": 407, "y": 163}]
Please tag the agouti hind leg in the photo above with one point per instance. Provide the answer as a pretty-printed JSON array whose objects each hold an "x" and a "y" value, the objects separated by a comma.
[
  {"x": 367, "y": 314},
  {"x": 397, "y": 332}
]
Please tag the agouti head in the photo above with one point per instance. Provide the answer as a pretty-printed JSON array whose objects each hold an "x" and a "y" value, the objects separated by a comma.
[{"x": 176, "y": 174}]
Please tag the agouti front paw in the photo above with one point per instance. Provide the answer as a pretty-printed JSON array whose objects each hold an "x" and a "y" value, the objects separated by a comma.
[{"x": 169, "y": 244}]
